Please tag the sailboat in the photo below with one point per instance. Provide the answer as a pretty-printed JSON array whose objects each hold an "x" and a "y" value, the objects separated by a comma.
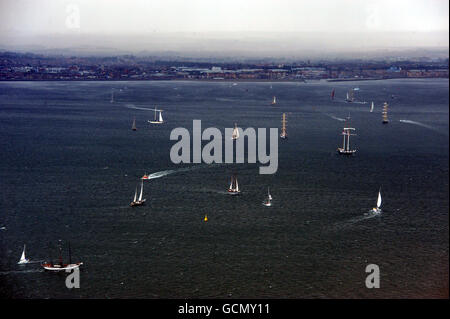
[
  {"x": 350, "y": 96},
  {"x": 268, "y": 201},
  {"x": 235, "y": 134},
  {"x": 234, "y": 186},
  {"x": 332, "y": 94},
  {"x": 371, "y": 107},
  {"x": 159, "y": 119},
  {"x": 274, "y": 100},
  {"x": 138, "y": 201},
  {"x": 133, "y": 127},
  {"x": 378, "y": 208},
  {"x": 23, "y": 260},
  {"x": 112, "y": 96},
  {"x": 283, "y": 127},
  {"x": 345, "y": 149},
  {"x": 384, "y": 112},
  {"x": 61, "y": 266}
]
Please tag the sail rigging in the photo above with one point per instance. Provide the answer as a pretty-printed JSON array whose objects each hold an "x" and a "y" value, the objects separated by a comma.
[{"x": 235, "y": 133}]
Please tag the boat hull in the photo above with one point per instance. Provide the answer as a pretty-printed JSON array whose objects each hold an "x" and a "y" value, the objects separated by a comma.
[
  {"x": 21, "y": 262},
  {"x": 233, "y": 192},
  {"x": 345, "y": 152},
  {"x": 50, "y": 267},
  {"x": 138, "y": 203},
  {"x": 155, "y": 122}
]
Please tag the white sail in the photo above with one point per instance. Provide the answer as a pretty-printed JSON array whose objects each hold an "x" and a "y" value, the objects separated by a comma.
[
  {"x": 269, "y": 196},
  {"x": 274, "y": 101},
  {"x": 371, "y": 107},
  {"x": 235, "y": 134},
  {"x": 142, "y": 189},
  {"x": 379, "y": 200},
  {"x": 347, "y": 96},
  {"x": 237, "y": 186},
  {"x": 23, "y": 259},
  {"x": 135, "y": 195},
  {"x": 160, "y": 116},
  {"x": 231, "y": 184}
]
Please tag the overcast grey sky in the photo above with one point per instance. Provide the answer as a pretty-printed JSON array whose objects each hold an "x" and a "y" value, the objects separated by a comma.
[{"x": 46, "y": 21}]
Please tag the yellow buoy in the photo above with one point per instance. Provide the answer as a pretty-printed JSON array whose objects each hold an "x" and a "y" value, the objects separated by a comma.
[{"x": 206, "y": 218}]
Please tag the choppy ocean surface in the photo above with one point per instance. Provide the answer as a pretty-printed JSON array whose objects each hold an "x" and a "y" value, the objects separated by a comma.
[{"x": 70, "y": 163}]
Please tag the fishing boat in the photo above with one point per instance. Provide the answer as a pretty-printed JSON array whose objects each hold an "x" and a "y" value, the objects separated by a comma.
[
  {"x": 138, "y": 201},
  {"x": 23, "y": 259},
  {"x": 283, "y": 127},
  {"x": 234, "y": 186},
  {"x": 371, "y": 107},
  {"x": 384, "y": 112},
  {"x": 377, "y": 209},
  {"x": 274, "y": 100},
  {"x": 332, "y": 94},
  {"x": 268, "y": 201},
  {"x": 133, "y": 127},
  {"x": 158, "y": 119},
  {"x": 50, "y": 266},
  {"x": 345, "y": 149},
  {"x": 235, "y": 133}
]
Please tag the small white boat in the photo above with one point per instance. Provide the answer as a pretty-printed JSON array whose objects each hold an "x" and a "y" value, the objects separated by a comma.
[
  {"x": 274, "y": 100},
  {"x": 23, "y": 260},
  {"x": 234, "y": 186},
  {"x": 377, "y": 209},
  {"x": 268, "y": 201},
  {"x": 158, "y": 119},
  {"x": 235, "y": 134}
]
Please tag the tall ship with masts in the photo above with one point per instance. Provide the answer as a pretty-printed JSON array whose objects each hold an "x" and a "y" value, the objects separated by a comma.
[
  {"x": 61, "y": 266},
  {"x": 345, "y": 149},
  {"x": 283, "y": 126},
  {"x": 384, "y": 113},
  {"x": 158, "y": 118},
  {"x": 234, "y": 186}
]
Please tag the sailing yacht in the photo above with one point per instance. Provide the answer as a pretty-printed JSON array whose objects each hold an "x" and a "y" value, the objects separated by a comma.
[
  {"x": 283, "y": 127},
  {"x": 23, "y": 260},
  {"x": 61, "y": 266},
  {"x": 234, "y": 186},
  {"x": 371, "y": 107},
  {"x": 133, "y": 127},
  {"x": 377, "y": 209},
  {"x": 274, "y": 100},
  {"x": 350, "y": 96},
  {"x": 384, "y": 112},
  {"x": 235, "y": 134},
  {"x": 138, "y": 201},
  {"x": 159, "y": 119},
  {"x": 268, "y": 201},
  {"x": 345, "y": 149}
]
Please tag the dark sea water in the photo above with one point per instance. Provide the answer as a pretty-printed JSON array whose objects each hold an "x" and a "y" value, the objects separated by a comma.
[{"x": 69, "y": 165}]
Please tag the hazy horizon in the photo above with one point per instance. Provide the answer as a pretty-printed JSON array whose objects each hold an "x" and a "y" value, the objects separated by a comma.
[{"x": 265, "y": 28}]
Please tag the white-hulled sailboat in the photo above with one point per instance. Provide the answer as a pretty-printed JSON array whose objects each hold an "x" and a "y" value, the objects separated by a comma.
[
  {"x": 377, "y": 209},
  {"x": 274, "y": 100},
  {"x": 268, "y": 201},
  {"x": 138, "y": 201},
  {"x": 235, "y": 134},
  {"x": 61, "y": 266},
  {"x": 158, "y": 119},
  {"x": 371, "y": 107},
  {"x": 234, "y": 186},
  {"x": 23, "y": 260}
]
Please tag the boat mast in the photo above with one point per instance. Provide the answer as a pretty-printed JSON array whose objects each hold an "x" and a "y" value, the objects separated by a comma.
[{"x": 142, "y": 189}]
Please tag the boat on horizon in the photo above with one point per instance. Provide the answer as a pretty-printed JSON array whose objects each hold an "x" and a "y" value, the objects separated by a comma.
[
  {"x": 234, "y": 186},
  {"x": 23, "y": 259},
  {"x": 345, "y": 149},
  {"x": 274, "y": 100},
  {"x": 61, "y": 266},
  {"x": 138, "y": 201}
]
